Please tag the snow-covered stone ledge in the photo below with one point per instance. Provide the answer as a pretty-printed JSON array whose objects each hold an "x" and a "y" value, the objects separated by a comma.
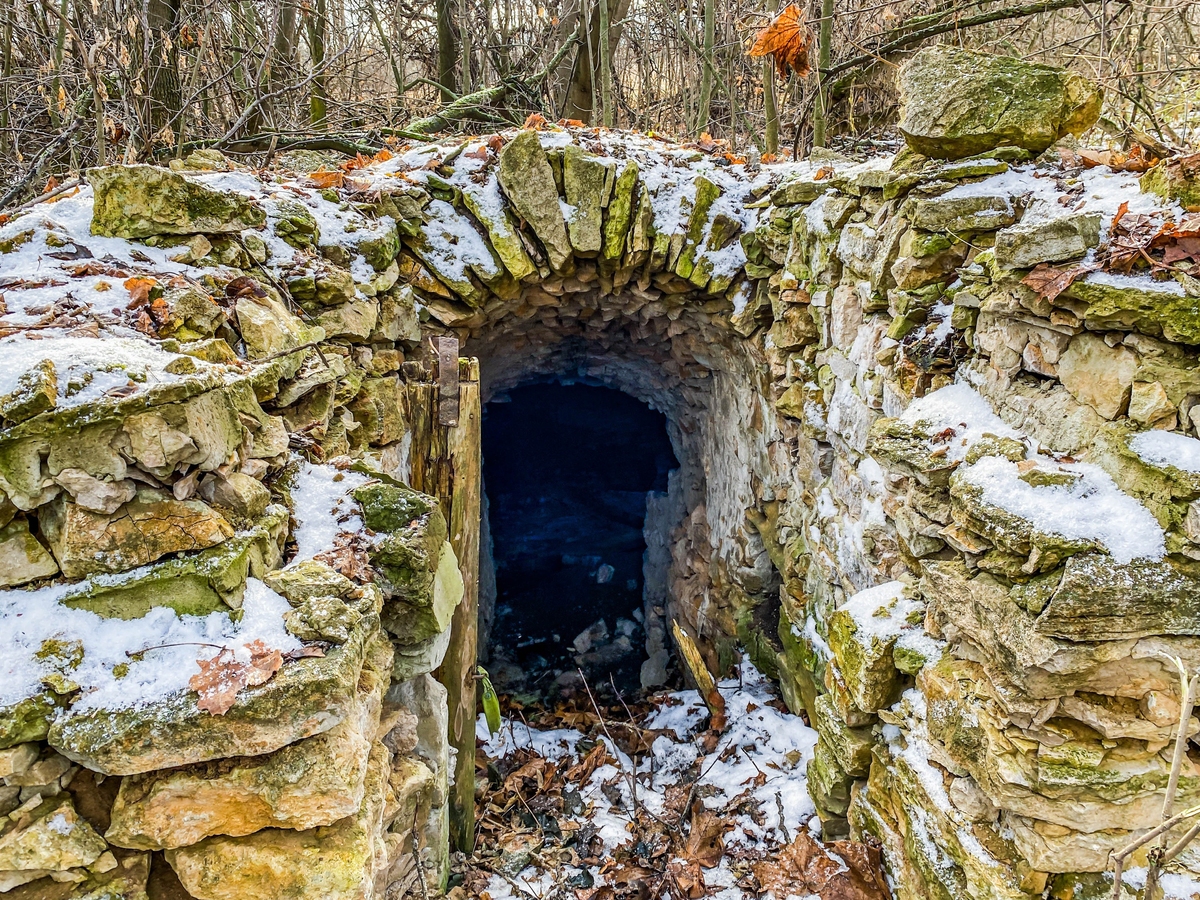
[{"x": 941, "y": 476}]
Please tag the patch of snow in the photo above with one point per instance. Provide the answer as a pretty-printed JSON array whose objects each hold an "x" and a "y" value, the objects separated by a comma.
[
  {"x": 960, "y": 407},
  {"x": 323, "y": 507},
  {"x": 1168, "y": 448},
  {"x": 170, "y": 645},
  {"x": 1135, "y": 283},
  {"x": 59, "y": 824},
  {"x": 454, "y": 243},
  {"x": 1093, "y": 508},
  {"x": 87, "y": 368}
]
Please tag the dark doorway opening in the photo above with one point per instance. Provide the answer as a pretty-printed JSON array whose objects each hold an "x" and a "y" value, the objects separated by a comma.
[{"x": 568, "y": 469}]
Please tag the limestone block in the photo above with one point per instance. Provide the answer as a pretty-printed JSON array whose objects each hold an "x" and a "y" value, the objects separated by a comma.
[
  {"x": 851, "y": 747},
  {"x": 417, "y": 570},
  {"x": 1098, "y": 375},
  {"x": 956, "y": 103},
  {"x": 105, "y": 879},
  {"x": 980, "y": 615},
  {"x": 322, "y": 619},
  {"x": 587, "y": 183},
  {"x": 307, "y": 579},
  {"x": 1101, "y": 600},
  {"x": 846, "y": 316},
  {"x": 334, "y": 862},
  {"x": 1150, "y": 406},
  {"x": 306, "y": 697},
  {"x": 377, "y": 409},
  {"x": 932, "y": 850},
  {"x": 1130, "y": 303},
  {"x": 957, "y": 215},
  {"x": 865, "y": 662},
  {"x": 528, "y": 181},
  {"x": 1040, "y": 239},
  {"x": 141, "y": 201},
  {"x": 1176, "y": 179},
  {"x": 425, "y": 656},
  {"x": 246, "y": 497},
  {"x": 267, "y": 327},
  {"x": 322, "y": 284},
  {"x": 146, "y": 528},
  {"x": 619, "y": 215},
  {"x": 1057, "y": 772},
  {"x": 49, "y": 837},
  {"x": 354, "y": 320},
  {"x": 96, "y": 494},
  {"x": 36, "y": 392},
  {"x": 310, "y": 783},
  {"x": 22, "y": 557},
  {"x": 17, "y": 760}
]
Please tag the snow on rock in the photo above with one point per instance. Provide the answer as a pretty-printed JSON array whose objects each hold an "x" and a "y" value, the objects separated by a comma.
[
  {"x": 323, "y": 507},
  {"x": 88, "y": 369},
  {"x": 1168, "y": 448},
  {"x": 166, "y": 647},
  {"x": 960, "y": 407},
  {"x": 1091, "y": 508}
]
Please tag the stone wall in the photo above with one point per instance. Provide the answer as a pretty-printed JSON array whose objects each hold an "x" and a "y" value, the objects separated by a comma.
[{"x": 948, "y": 504}]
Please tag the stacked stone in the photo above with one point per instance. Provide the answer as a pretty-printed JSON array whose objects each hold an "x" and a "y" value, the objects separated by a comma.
[
  {"x": 172, "y": 491},
  {"x": 991, "y": 698},
  {"x": 995, "y": 702}
]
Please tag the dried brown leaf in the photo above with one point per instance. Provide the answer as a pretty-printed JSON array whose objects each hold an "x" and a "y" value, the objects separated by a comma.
[{"x": 788, "y": 39}]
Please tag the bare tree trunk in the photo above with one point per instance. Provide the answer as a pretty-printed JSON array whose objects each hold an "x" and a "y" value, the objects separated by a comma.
[
  {"x": 162, "y": 64},
  {"x": 605, "y": 63},
  {"x": 704, "y": 108},
  {"x": 447, "y": 54},
  {"x": 770, "y": 112},
  {"x": 586, "y": 72},
  {"x": 317, "y": 28},
  {"x": 820, "y": 108},
  {"x": 465, "y": 24},
  {"x": 6, "y": 142}
]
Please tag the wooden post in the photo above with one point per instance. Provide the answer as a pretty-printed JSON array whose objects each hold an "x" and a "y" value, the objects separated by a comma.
[
  {"x": 458, "y": 669},
  {"x": 446, "y": 463}
]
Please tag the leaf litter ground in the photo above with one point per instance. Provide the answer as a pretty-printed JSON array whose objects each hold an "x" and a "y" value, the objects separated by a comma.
[{"x": 582, "y": 802}]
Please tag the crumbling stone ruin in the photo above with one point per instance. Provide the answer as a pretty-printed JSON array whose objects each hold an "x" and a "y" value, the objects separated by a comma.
[{"x": 951, "y": 509}]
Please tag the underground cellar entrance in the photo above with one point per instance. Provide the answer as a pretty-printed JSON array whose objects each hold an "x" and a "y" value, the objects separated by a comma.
[{"x": 568, "y": 469}]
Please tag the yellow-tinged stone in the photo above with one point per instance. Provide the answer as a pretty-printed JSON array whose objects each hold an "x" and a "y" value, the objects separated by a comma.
[
  {"x": 306, "y": 784},
  {"x": 334, "y": 862},
  {"x": 148, "y": 527},
  {"x": 48, "y": 837}
]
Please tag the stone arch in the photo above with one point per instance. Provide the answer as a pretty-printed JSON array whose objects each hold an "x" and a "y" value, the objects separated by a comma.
[{"x": 616, "y": 261}]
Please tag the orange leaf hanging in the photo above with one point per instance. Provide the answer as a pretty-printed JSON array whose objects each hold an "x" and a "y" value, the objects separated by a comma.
[{"x": 788, "y": 39}]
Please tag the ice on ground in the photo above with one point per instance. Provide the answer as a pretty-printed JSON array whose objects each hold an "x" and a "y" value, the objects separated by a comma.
[
  {"x": 1168, "y": 448},
  {"x": 167, "y": 647},
  {"x": 323, "y": 507}
]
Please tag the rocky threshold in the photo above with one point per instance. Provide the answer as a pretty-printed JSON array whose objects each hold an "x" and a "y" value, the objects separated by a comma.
[{"x": 662, "y": 799}]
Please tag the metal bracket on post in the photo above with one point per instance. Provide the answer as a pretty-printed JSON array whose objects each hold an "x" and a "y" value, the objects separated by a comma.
[{"x": 447, "y": 352}]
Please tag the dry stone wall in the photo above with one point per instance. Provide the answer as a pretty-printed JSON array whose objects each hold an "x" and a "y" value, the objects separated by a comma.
[{"x": 951, "y": 509}]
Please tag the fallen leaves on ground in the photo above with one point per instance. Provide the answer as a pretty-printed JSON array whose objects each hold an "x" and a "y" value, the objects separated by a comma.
[
  {"x": 221, "y": 677},
  {"x": 841, "y": 870},
  {"x": 787, "y": 39},
  {"x": 548, "y": 825}
]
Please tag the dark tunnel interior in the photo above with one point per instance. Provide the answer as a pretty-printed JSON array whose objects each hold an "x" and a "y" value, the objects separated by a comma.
[{"x": 567, "y": 469}]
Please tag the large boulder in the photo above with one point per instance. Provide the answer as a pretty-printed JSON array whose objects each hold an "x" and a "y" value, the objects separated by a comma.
[
  {"x": 958, "y": 103},
  {"x": 142, "y": 201}
]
